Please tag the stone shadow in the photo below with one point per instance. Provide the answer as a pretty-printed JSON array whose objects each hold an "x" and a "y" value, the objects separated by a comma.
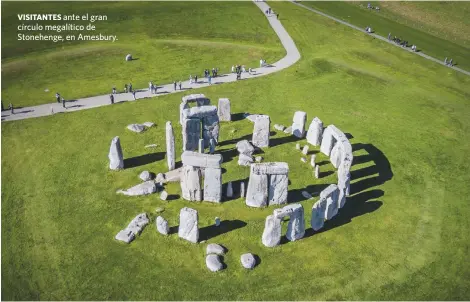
[
  {"x": 238, "y": 116},
  {"x": 172, "y": 197},
  {"x": 236, "y": 189},
  {"x": 235, "y": 140},
  {"x": 273, "y": 142},
  {"x": 143, "y": 159},
  {"x": 294, "y": 196},
  {"x": 257, "y": 260},
  {"x": 357, "y": 205},
  {"x": 225, "y": 226},
  {"x": 228, "y": 154}
]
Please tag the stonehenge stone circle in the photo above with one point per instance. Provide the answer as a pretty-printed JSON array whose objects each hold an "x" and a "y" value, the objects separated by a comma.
[
  {"x": 342, "y": 155},
  {"x": 116, "y": 159},
  {"x": 248, "y": 261},
  {"x": 170, "y": 146},
  {"x": 145, "y": 188},
  {"x": 213, "y": 263},
  {"x": 214, "y": 248},
  {"x": 261, "y": 128},
  {"x": 162, "y": 225},
  {"x": 315, "y": 131},
  {"x": 272, "y": 231},
  {"x": 134, "y": 228},
  {"x": 298, "y": 124},
  {"x": 267, "y": 184},
  {"x": 188, "y": 227},
  {"x": 344, "y": 180},
  {"x": 224, "y": 110}
]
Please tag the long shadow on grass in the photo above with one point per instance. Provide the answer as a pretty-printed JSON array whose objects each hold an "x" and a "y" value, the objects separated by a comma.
[
  {"x": 143, "y": 159},
  {"x": 225, "y": 226}
]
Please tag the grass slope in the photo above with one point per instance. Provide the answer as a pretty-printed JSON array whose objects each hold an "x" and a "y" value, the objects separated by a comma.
[
  {"x": 404, "y": 233},
  {"x": 168, "y": 48},
  {"x": 433, "y": 40}
]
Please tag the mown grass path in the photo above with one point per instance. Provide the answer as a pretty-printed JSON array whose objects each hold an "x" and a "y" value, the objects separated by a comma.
[{"x": 292, "y": 56}]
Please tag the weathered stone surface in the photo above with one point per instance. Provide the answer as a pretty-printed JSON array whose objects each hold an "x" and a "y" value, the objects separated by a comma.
[
  {"x": 188, "y": 228},
  {"x": 315, "y": 131},
  {"x": 129, "y": 57},
  {"x": 162, "y": 225},
  {"x": 224, "y": 110},
  {"x": 258, "y": 159},
  {"x": 288, "y": 130},
  {"x": 163, "y": 195},
  {"x": 200, "y": 112},
  {"x": 330, "y": 194},
  {"x": 213, "y": 263},
  {"x": 312, "y": 160},
  {"x": 173, "y": 175},
  {"x": 279, "y": 127},
  {"x": 244, "y": 147},
  {"x": 210, "y": 129},
  {"x": 183, "y": 106},
  {"x": 213, "y": 184},
  {"x": 333, "y": 136},
  {"x": 253, "y": 117},
  {"x": 257, "y": 191},
  {"x": 272, "y": 231},
  {"x": 344, "y": 180},
  {"x": 335, "y": 156},
  {"x": 144, "y": 188},
  {"x": 199, "y": 98},
  {"x": 116, "y": 159},
  {"x": 136, "y": 127},
  {"x": 261, "y": 128},
  {"x": 296, "y": 226},
  {"x": 306, "y": 195},
  {"x": 211, "y": 146},
  {"x": 229, "y": 193},
  {"x": 145, "y": 176},
  {"x": 148, "y": 124},
  {"x": 305, "y": 150},
  {"x": 277, "y": 191},
  {"x": 245, "y": 160},
  {"x": 134, "y": 228},
  {"x": 318, "y": 214},
  {"x": 201, "y": 146},
  {"x": 160, "y": 178},
  {"x": 191, "y": 183},
  {"x": 298, "y": 125},
  {"x": 242, "y": 189},
  {"x": 201, "y": 160},
  {"x": 317, "y": 172},
  {"x": 191, "y": 134},
  {"x": 248, "y": 261},
  {"x": 271, "y": 168},
  {"x": 170, "y": 146},
  {"x": 214, "y": 248}
]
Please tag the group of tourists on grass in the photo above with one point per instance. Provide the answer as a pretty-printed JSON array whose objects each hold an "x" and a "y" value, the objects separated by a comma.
[{"x": 448, "y": 63}]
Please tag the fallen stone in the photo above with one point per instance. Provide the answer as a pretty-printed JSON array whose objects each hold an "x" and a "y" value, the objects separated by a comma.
[
  {"x": 224, "y": 110},
  {"x": 298, "y": 125},
  {"x": 188, "y": 227},
  {"x": 279, "y": 127},
  {"x": 173, "y": 175},
  {"x": 272, "y": 231},
  {"x": 248, "y": 261},
  {"x": 151, "y": 146},
  {"x": 315, "y": 131},
  {"x": 160, "y": 178},
  {"x": 163, "y": 195},
  {"x": 213, "y": 263},
  {"x": 260, "y": 137},
  {"x": 317, "y": 172},
  {"x": 149, "y": 124},
  {"x": 134, "y": 228},
  {"x": 116, "y": 159},
  {"x": 245, "y": 160},
  {"x": 125, "y": 236},
  {"x": 145, "y": 188},
  {"x": 244, "y": 147},
  {"x": 258, "y": 159},
  {"x": 136, "y": 128},
  {"x": 145, "y": 176},
  {"x": 214, "y": 248},
  {"x": 162, "y": 225},
  {"x": 288, "y": 130}
]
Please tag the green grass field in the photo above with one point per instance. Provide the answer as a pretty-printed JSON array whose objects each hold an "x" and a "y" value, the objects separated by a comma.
[
  {"x": 439, "y": 29},
  {"x": 403, "y": 234},
  {"x": 205, "y": 35}
]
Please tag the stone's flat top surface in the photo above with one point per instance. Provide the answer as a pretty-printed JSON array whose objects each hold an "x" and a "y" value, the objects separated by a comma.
[
  {"x": 199, "y": 112},
  {"x": 248, "y": 260},
  {"x": 214, "y": 248},
  {"x": 193, "y": 97},
  {"x": 300, "y": 115},
  {"x": 245, "y": 146},
  {"x": 292, "y": 56},
  {"x": 328, "y": 191},
  {"x": 197, "y": 159},
  {"x": 287, "y": 210},
  {"x": 270, "y": 168}
]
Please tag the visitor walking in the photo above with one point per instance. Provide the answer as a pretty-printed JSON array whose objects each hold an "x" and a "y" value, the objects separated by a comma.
[
  {"x": 111, "y": 97},
  {"x": 125, "y": 88},
  {"x": 180, "y": 84},
  {"x": 209, "y": 80},
  {"x": 190, "y": 79},
  {"x": 151, "y": 87},
  {"x": 63, "y": 103},
  {"x": 445, "y": 61},
  {"x": 114, "y": 90},
  {"x": 155, "y": 87},
  {"x": 195, "y": 79},
  {"x": 389, "y": 35},
  {"x": 130, "y": 87},
  {"x": 10, "y": 107},
  {"x": 3, "y": 109},
  {"x": 277, "y": 16},
  {"x": 57, "y": 96},
  {"x": 450, "y": 63},
  {"x": 174, "y": 85},
  {"x": 233, "y": 69},
  {"x": 133, "y": 94}
]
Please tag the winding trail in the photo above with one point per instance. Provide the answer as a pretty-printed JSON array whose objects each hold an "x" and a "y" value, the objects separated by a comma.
[
  {"x": 420, "y": 53},
  {"x": 292, "y": 56}
]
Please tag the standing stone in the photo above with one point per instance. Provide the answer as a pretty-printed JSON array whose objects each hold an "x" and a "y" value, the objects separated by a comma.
[
  {"x": 257, "y": 191},
  {"x": 188, "y": 228},
  {"x": 277, "y": 193},
  {"x": 318, "y": 214},
  {"x": 272, "y": 231},
  {"x": 191, "y": 183},
  {"x": 162, "y": 225},
  {"x": 210, "y": 129},
  {"x": 344, "y": 180},
  {"x": 296, "y": 226},
  {"x": 305, "y": 150},
  {"x": 224, "y": 110},
  {"x": 317, "y": 172},
  {"x": 201, "y": 145},
  {"x": 242, "y": 189},
  {"x": 229, "y": 193},
  {"x": 260, "y": 137},
  {"x": 298, "y": 125},
  {"x": 213, "y": 184},
  {"x": 116, "y": 159},
  {"x": 312, "y": 160},
  {"x": 191, "y": 134},
  {"x": 315, "y": 131},
  {"x": 335, "y": 155},
  {"x": 183, "y": 105},
  {"x": 170, "y": 146},
  {"x": 330, "y": 194},
  {"x": 211, "y": 146}
]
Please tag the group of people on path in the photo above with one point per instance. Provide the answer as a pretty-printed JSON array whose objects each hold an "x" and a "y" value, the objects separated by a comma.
[
  {"x": 238, "y": 69},
  {"x": 448, "y": 63},
  {"x": 269, "y": 12},
  {"x": 400, "y": 42},
  {"x": 178, "y": 84},
  {"x": 10, "y": 107}
]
